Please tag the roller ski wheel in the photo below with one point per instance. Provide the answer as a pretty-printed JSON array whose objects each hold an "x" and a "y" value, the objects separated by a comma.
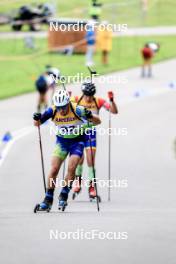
[
  {"x": 92, "y": 195},
  {"x": 62, "y": 205},
  {"x": 93, "y": 198},
  {"x": 62, "y": 201},
  {"x": 39, "y": 208},
  {"x": 36, "y": 208},
  {"x": 45, "y": 206}
]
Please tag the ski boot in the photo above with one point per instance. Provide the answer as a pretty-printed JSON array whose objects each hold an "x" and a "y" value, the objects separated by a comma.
[
  {"x": 92, "y": 194},
  {"x": 76, "y": 187},
  {"x": 46, "y": 205},
  {"x": 63, "y": 197}
]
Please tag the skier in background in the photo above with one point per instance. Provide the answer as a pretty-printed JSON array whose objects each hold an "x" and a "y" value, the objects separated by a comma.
[
  {"x": 44, "y": 82},
  {"x": 90, "y": 101}
]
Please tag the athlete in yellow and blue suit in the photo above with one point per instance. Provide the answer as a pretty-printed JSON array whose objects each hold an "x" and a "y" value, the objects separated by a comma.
[
  {"x": 70, "y": 121},
  {"x": 70, "y": 130}
]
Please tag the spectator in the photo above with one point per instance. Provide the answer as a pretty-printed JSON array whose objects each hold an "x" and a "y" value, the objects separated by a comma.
[
  {"x": 148, "y": 53},
  {"x": 104, "y": 41},
  {"x": 90, "y": 41}
]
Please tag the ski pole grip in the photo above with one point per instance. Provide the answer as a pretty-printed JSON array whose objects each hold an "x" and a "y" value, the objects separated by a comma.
[
  {"x": 111, "y": 96},
  {"x": 37, "y": 116},
  {"x": 70, "y": 93}
]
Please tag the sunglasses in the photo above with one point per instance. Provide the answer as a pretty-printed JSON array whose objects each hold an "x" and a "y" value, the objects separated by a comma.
[{"x": 59, "y": 108}]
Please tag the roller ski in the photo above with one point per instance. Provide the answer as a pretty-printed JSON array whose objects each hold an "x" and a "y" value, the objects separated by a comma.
[
  {"x": 63, "y": 197},
  {"x": 46, "y": 205},
  {"x": 76, "y": 187},
  {"x": 92, "y": 194},
  {"x": 62, "y": 203}
]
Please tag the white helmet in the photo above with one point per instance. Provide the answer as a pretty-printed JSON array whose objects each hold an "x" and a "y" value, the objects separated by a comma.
[
  {"x": 54, "y": 71},
  {"x": 61, "y": 98}
]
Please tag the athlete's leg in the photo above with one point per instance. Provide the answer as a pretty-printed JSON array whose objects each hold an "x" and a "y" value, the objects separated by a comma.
[
  {"x": 78, "y": 175},
  {"x": 72, "y": 164},
  {"x": 149, "y": 68},
  {"x": 143, "y": 70},
  {"x": 105, "y": 57},
  {"x": 45, "y": 100},
  {"x": 39, "y": 103},
  {"x": 90, "y": 145},
  {"x": 42, "y": 100},
  {"x": 144, "y": 65},
  {"x": 56, "y": 163},
  {"x": 90, "y": 156},
  {"x": 58, "y": 156},
  {"x": 76, "y": 152},
  {"x": 51, "y": 184},
  {"x": 79, "y": 168}
]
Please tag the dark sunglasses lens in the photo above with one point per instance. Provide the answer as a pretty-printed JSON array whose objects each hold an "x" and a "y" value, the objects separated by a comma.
[{"x": 61, "y": 107}]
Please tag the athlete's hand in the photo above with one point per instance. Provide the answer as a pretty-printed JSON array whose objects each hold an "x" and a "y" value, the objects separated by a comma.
[
  {"x": 37, "y": 118},
  {"x": 111, "y": 96},
  {"x": 88, "y": 113},
  {"x": 70, "y": 93}
]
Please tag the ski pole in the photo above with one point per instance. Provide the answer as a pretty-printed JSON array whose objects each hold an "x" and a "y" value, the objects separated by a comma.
[
  {"x": 109, "y": 159},
  {"x": 90, "y": 142},
  {"x": 63, "y": 80},
  {"x": 109, "y": 151},
  {"x": 42, "y": 161},
  {"x": 94, "y": 175},
  {"x": 91, "y": 73},
  {"x": 63, "y": 173}
]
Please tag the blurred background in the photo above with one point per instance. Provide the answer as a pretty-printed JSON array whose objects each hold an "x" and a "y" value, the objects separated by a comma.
[{"x": 24, "y": 45}]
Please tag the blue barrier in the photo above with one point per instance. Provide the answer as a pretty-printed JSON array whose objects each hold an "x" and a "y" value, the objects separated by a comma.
[
  {"x": 140, "y": 93},
  {"x": 172, "y": 85},
  {"x": 7, "y": 137}
]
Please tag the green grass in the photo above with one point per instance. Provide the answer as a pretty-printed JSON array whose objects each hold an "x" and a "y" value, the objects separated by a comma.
[
  {"x": 18, "y": 71},
  {"x": 160, "y": 12}
]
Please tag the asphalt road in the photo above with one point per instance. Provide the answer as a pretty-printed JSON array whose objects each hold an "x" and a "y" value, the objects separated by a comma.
[{"x": 143, "y": 213}]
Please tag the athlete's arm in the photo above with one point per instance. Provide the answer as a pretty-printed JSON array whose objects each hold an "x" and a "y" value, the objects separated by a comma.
[
  {"x": 87, "y": 114},
  {"x": 112, "y": 107},
  {"x": 95, "y": 120},
  {"x": 42, "y": 118}
]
